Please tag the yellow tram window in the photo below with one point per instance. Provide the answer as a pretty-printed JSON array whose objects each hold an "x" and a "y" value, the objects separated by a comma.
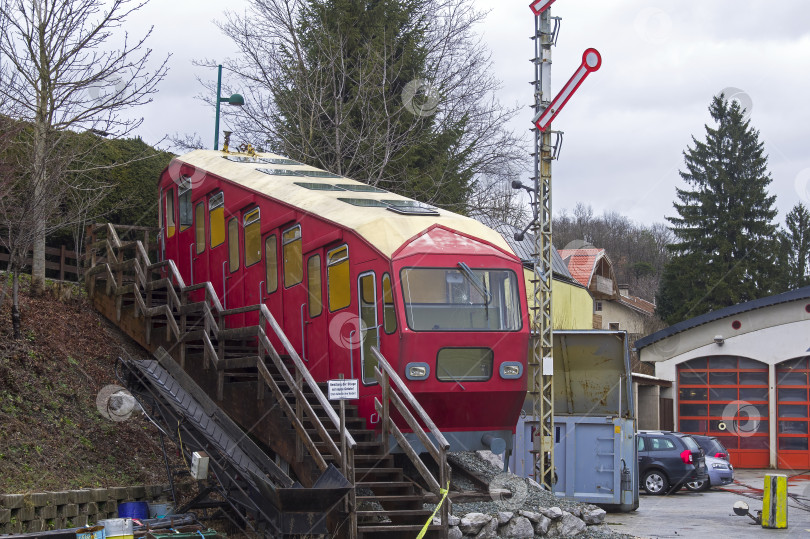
[
  {"x": 199, "y": 227},
  {"x": 271, "y": 263},
  {"x": 389, "y": 314},
  {"x": 216, "y": 218},
  {"x": 314, "y": 286},
  {"x": 293, "y": 256},
  {"x": 233, "y": 245},
  {"x": 184, "y": 203},
  {"x": 253, "y": 237},
  {"x": 337, "y": 278},
  {"x": 170, "y": 213}
]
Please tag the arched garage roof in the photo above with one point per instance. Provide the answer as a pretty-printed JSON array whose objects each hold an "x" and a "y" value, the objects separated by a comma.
[{"x": 761, "y": 303}]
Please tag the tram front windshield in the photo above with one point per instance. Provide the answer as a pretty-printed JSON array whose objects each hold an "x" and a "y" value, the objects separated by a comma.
[{"x": 461, "y": 299}]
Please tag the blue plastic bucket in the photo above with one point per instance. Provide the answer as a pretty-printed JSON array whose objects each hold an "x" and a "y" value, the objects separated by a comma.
[
  {"x": 139, "y": 510},
  {"x": 160, "y": 510}
]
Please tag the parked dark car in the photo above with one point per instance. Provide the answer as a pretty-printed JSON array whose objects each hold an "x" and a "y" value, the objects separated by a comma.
[
  {"x": 711, "y": 446},
  {"x": 720, "y": 470},
  {"x": 668, "y": 460}
]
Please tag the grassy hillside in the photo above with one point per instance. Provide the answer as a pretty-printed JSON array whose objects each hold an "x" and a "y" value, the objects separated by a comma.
[{"x": 52, "y": 436}]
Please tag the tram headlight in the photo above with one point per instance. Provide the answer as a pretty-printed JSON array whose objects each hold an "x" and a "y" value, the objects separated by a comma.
[
  {"x": 417, "y": 371},
  {"x": 511, "y": 370}
]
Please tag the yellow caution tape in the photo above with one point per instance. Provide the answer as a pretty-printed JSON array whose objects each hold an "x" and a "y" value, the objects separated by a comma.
[{"x": 443, "y": 492}]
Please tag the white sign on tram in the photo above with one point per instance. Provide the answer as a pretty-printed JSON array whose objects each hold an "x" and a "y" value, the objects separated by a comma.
[{"x": 339, "y": 390}]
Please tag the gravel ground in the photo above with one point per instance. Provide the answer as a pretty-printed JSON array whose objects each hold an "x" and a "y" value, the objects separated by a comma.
[{"x": 526, "y": 494}]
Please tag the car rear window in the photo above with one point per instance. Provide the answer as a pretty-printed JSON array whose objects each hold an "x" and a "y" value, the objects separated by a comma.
[
  {"x": 690, "y": 443},
  {"x": 655, "y": 443},
  {"x": 712, "y": 446}
]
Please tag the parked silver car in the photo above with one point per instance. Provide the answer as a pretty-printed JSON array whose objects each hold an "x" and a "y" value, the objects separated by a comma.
[{"x": 721, "y": 472}]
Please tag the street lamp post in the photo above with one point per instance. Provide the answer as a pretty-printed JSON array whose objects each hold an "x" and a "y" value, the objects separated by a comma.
[{"x": 235, "y": 99}]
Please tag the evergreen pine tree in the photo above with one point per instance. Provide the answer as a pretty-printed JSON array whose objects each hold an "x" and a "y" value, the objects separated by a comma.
[
  {"x": 395, "y": 93},
  {"x": 796, "y": 247},
  {"x": 725, "y": 235}
]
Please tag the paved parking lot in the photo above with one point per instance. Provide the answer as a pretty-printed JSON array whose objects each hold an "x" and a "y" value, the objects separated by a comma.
[{"x": 709, "y": 515}]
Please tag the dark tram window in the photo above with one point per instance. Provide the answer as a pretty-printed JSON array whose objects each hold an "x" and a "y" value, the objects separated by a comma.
[
  {"x": 184, "y": 203},
  {"x": 389, "y": 313}
]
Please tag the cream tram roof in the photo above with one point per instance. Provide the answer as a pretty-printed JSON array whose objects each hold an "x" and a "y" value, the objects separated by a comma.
[{"x": 385, "y": 229}]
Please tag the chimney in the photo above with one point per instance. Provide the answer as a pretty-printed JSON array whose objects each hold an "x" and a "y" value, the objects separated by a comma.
[{"x": 624, "y": 290}]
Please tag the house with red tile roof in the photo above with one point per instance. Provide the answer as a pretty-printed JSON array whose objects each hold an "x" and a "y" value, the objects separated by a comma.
[
  {"x": 614, "y": 307},
  {"x": 592, "y": 268}
]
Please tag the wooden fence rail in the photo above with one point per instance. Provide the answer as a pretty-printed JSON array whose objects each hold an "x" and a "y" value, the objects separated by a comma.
[{"x": 68, "y": 262}]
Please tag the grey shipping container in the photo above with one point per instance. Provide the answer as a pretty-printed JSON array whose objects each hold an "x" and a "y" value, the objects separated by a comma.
[{"x": 594, "y": 440}]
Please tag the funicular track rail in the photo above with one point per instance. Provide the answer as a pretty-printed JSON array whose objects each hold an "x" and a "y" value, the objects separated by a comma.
[{"x": 304, "y": 429}]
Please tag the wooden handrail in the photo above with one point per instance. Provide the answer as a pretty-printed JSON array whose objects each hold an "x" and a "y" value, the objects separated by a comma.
[
  {"x": 169, "y": 278},
  {"x": 406, "y": 393},
  {"x": 299, "y": 365},
  {"x": 388, "y": 377}
]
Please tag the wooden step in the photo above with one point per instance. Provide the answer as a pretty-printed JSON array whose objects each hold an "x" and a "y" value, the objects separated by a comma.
[
  {"x": 237, "y": 363},
  {"x": 382, "y": 527},
  {"x": 393, "y": 502},
  {"x": 383, "y": 484},
  {"x": 397, "y": 512}
]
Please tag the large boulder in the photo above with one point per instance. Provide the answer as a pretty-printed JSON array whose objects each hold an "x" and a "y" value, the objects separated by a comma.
[
  {"x": 504, "y": 517},
  {"x": 518, "y": 528},
  {"x": 567, "y": 526},
  {"x": 489, "y": 531},
  {"x": 454, "y": 533},
  {"x": 593, "y": 516},
  {"x": 472, "y": 523},
  {"x": 541, "y": 527},
  {"x": 534, "y": 517},
  {"x": 554, "y": 513}
]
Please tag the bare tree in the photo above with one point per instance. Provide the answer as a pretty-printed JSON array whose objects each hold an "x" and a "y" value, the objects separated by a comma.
[
  {"x": 60, "y": 71},
  {"x": 357, "y": 106},
  {"x": 638, "y": 252},
  {"x": 25, "y": 213}
]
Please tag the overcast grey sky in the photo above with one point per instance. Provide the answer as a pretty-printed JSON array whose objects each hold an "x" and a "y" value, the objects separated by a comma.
[{"x": 629, "y": 123}]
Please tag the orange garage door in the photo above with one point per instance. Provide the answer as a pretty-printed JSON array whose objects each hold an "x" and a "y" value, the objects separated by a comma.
[
  {"x": 727, "y": 397},
  {"x": 792, "y": 411}
]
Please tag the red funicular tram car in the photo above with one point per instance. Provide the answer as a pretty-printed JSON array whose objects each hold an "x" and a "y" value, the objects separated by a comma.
[{"x": 344, "y": 266}]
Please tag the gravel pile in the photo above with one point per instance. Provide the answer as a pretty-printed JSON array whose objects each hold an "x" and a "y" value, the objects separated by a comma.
[{"x": 529, "y": 512}]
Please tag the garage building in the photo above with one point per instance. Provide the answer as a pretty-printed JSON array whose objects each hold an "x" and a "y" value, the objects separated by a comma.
[{"x": 742, "y": 374}]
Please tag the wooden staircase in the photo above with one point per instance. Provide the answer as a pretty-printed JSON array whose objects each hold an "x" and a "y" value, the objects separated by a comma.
[{"x": 246, "y": 375}]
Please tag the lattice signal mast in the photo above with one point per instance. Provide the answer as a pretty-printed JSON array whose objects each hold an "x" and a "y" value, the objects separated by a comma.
[
  {"x": 541, "y": 362},
  {"x": 541, "y": 365}
]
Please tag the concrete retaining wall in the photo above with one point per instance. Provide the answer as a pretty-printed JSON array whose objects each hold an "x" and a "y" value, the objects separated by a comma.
[{"x": 42, "y": 511}]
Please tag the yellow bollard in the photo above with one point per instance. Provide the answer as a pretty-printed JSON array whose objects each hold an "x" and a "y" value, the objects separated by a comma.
[{"x": 774, "y": 503}]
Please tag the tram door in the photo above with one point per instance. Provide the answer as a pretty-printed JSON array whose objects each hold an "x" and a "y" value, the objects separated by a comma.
[
  {"x": 199, "y": 258},
  {"x": 316, "y": 330},
  {"x": 293, "y": 289},
  {"x": 369, "y": 330},
  {"x": 270, "y": 287},
  {"x": 217, "y": 253},
  {"x": 253, "y": 271},
  {"x": 185, "y": 232},
  {"x": 233, "y": 276}
]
